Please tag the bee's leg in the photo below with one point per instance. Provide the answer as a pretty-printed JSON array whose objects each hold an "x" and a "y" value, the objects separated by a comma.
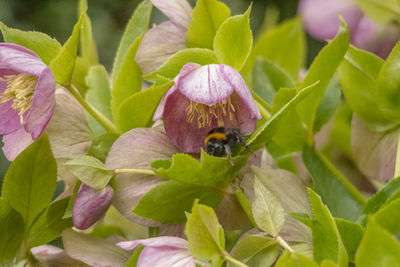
[
  {"x": 228, "y": 153},
  {"x": 243, "y": 142}
]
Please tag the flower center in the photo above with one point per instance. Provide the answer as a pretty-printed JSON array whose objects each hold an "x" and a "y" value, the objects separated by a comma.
[
  {"x": 205, "y": 114},
  {"x": 20, "y": 89}
]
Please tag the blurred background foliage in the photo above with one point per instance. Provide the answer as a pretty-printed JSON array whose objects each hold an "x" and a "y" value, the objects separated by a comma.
[{"x": 57, "y": 17}]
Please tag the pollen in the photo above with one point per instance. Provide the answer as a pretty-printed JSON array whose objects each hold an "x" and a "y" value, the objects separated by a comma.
[
  {"x": 204, "y": 114},
  {"x": 20, "y": 89}
]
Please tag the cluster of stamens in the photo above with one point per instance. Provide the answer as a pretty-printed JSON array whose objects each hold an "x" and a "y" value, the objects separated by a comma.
[
  {"x": 20, "y": 89},
  {"x": 205, "y": 114}
]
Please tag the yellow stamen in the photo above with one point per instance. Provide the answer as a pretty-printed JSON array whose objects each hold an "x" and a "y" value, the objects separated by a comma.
[
  {"x": 205, "y": 114},
  {"x": 20, "y": 89}
]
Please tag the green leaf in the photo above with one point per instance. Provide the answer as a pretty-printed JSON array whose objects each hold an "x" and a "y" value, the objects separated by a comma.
[
  {"x": 389, "y": 216},
  {"x": 88, "y": 46},
  {"x": 288, "y": 259},
  {"x": 283, "y": 45},
  {"x": 137, "y": 25},
  {"x": 233, "y": 40},
  {"x": 30, "y": 181},
  {"x": 98, "y": 95},
  {"x": 138, "y": 109},
  {"x": 11, "y": 233},
  {"x": 264, "y": 133},
  {"x": 168, "y": 201},
  {"x": 63, "y": 64},
  {"x": 171, "y": 68},
  {"x": 358, "y": 73},
  {"x": 43, "y": 45},
  {"x": 132, "y": 262},
  {"x": 327, "y": 242},
  {"x": 342, "y": 198},
  {"x": 381, "y": 11},
  {"x": 268, "y": 78},
  {"x": 90, "y": 171},
  {"x": 379, "y": 199},
  {"x": 267, "y": 211},
  {"x": 207, "y": 16},
  {"x": 210, "y": 171},
  {"x": 79, "y": 74},
  {"x": 101, "y": 145},
  {"x": 388, "y": 86},
  {"x": 204, "y": 233},
  {"x": 351, "y": 234},
  {"x": 128, "y": 80},
  {"x": 378, "y": 247},
  {"x": 323, "y": 69},
  {"x": 255, "y": 250},
  {"x": 50, "y": 224}
]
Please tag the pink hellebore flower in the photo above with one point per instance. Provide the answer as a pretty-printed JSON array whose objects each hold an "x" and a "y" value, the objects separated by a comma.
[
  {"x": 162, "y": 251},
  {"x": 27, "y": 101},
  {"x": 202, "y": 98},
  {"x": 167, "y": 38},
  {"x": 322, "y": 22},
  {"x": 90, "y": 205}
]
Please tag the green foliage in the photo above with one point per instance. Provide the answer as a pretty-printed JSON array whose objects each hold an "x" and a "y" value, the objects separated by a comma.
[
  {"x": 378, "y": 247},
  {"x": 101, "y": 145},
  {"x": 90, "y": 171},
  {"x": 207, "y": 17},
  {"x": 62, "y": 65},
  {"x": 351, "y": 234},
  {"x": 389, "y": 216},
  {"x": 380, "y": 11},
  {"x": 267, "y": 211},
  {"x": 88, "y": 46},
  {"x": 132, "y": 262},
  {"x": 209, "y": 172},
  {"x": 233, "y": 40},
  {"x": 323, "y": 69},
  {"x": 138, "y": 109},
  {"x": 168, "y": 201},
  {"x": 288, "y": 259},
  {"x": 30, "y": 181},
  {"x": 342, "y": 198},
  {"x": 11, "y": 233},
  {"x": 204, "y": 233},
  {"x": 255, "y": 250},
  {"x": 137, "y": 25},
  {"x": 43, "y": 45}
]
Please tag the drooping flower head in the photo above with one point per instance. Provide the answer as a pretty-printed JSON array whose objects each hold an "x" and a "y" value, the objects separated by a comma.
[
  {"x": 321, "y": 20},
  {"x": 162, "y": 251},
  {"x": 202, "y": 98},
  {"x": 27, "y": 100}
]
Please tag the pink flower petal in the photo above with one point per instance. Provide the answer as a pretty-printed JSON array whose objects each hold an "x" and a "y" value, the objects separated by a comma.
[
  {"x": 161, "y": 241},
  {"x": 49, "y": 255},
  {"x": 137, "y": 149},
  {"x": 15, "y": 143},
  {"x": 160, "y": 109},
  {"x": 166, "y": 256},
  {"x": 158, "y": 44},
  {"x": 178, "y": 11}
]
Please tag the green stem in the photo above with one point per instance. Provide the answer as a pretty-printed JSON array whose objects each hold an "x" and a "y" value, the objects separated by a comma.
[
  {"x": 234, "y": 261},
  {"x": 153, "y": 231},
  {"x": 397, "y": 168},
  {"x": 245, "y": 204},
  {"x": 98, "y": 116},
  {"x": 139, "y": 171},
  {"x": 284, "y": 244}
]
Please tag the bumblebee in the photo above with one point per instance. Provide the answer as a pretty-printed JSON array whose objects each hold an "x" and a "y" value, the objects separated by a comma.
[{"x": 220, "y": 142}]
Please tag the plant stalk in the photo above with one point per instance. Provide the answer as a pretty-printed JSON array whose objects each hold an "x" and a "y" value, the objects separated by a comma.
[
  {"x": 139, "y": 171},
  {"x": 234, "y": 261}
]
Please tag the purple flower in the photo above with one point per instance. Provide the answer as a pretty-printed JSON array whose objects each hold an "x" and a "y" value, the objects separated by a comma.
[
  {"x": 90, "y": 205},
  {"x": 322, "y": 22},
  {"x": 202, "y": 98},
  {"x": 165, "y": 39},
  {"x": 27, "y": 99},
  {"x": 162, "y": 251}
]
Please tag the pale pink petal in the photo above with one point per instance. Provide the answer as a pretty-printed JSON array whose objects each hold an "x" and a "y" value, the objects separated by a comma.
[
  {"x": 158, "y": 44},
  {"x": 137, "y": 149},
  {"x": 160, "y": 108},
  {"x": 49, "y": 255},
  {"x": 15, "y": 143},
  {"x": 90, "y": 205},
  {"x": 165, "y": 256},
  {"x": 161, "y": 241},
  {"x": 178, "y": 11},
  {"x": 321, "y": 17}
]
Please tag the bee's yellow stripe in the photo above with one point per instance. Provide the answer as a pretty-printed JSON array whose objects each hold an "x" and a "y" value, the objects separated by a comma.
[{"x": 216, "y": 136}]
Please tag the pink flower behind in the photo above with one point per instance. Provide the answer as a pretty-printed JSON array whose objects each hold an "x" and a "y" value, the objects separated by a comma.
[
  {"x": 202, "y": 98},
  {"x": 27, "y": 101},
  {"x": 162, "y": 251}
]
